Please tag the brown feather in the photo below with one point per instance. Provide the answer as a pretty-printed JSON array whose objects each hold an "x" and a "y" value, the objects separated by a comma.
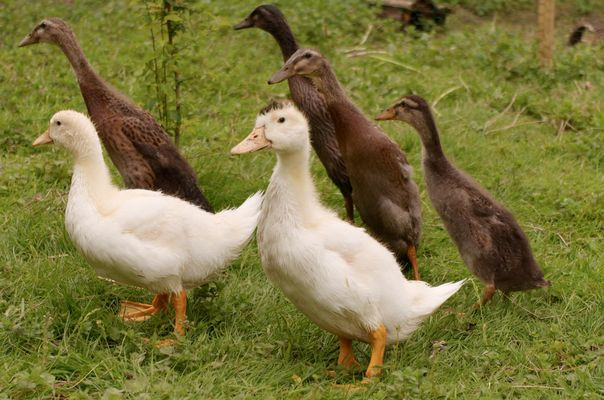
[
  {"x": 124, "y": 127},
  {"x": 322, "y": 135}
]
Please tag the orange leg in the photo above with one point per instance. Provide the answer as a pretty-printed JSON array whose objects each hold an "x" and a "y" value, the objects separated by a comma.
[
  {"x": 377, "y": 340},
  {"x": 489, "y": 291},
  {"x": 412, "y": 255},
  {"x": 349, "y": 208},
  {"x": 346, "y": 357},
  {"x": 179, "y": 301},
  {"x": 133, "y": 311}
]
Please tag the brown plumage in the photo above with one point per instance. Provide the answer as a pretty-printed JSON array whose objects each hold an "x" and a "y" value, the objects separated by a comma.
[
  {"x": 382, "y": 187},
  {"x": 489, "y": 239},
  {"x": 322, "y": 135},
  {"x": 124, "y": 128}
]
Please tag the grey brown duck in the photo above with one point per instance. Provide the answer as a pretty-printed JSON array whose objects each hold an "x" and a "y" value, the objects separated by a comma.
[{"x": 488, "y": 238}]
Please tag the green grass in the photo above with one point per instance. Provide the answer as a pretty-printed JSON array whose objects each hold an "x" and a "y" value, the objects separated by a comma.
[{"x": 501, "y": 119}]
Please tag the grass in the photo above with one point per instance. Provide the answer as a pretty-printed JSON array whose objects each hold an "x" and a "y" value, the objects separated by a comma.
[{"x": 533, "y": 138}]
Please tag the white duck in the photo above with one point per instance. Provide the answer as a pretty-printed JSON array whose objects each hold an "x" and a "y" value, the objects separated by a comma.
[
  {"x": 338, "y": 275},
  {"x": 141, "y": 237}
]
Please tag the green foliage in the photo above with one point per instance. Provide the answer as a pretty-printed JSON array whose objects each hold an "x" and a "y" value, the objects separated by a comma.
[
  {"x": 488, "y": 7},
  {"x": 533, "y": 138},
  {"x": 167, "y": 23}
]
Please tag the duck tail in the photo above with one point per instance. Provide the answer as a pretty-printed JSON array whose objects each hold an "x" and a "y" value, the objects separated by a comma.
[
  {"x": 239, "y": 223},
  {"x": 429, "y": 298},
  {"x": 544, "y": 283}
]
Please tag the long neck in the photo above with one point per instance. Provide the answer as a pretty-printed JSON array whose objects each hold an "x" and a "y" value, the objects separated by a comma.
[
  {"x": 428, "y": 133},
  {"x": 284, "y": 37},
  {"x": 350, "y": 124},
  {"x": 91, "y": 177},
  {"x": 293, "y": 173},
  {"x": 328, "y": 85},
  {"x": 91, "y": 84},
  {"x": 76, "y": 57}
]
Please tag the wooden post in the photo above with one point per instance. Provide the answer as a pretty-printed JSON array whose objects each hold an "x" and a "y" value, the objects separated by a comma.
[{"x": 547, "y": 14}]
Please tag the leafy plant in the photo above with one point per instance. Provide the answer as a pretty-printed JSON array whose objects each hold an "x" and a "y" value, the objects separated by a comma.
[{"x": 167, "y": 20}]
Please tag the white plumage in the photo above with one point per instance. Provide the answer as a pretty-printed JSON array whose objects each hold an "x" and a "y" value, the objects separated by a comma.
[
  {"x": 339, "y": 276},
  {"x": 140, "y": 237}
]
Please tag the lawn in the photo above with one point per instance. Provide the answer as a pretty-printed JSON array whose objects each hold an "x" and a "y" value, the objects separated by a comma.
[{"x": 534, "y": 138}]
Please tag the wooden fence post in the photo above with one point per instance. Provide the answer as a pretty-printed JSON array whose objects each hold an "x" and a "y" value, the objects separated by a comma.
[{"x": 547, "y": 14}]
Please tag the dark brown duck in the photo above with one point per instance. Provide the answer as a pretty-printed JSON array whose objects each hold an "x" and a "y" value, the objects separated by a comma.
[
  {"x": 586, "y": 33},
  {"x": 124, "y": 128},
  {"x": 488, "y": 238},
  {"x": 383, "y": 190},
  {"x": 322, "y": 134}
]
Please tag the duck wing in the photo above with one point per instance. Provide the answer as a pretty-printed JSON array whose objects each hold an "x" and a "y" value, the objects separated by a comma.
[
  {"x": 147, "y": 158},
  {"x": 341, "y": 237},
  {"x": 173, "y": 175},
  {"x": 119, "y": 135},
  {"x": 357, "y": 249},
  {"x": 153, "y": 218}
]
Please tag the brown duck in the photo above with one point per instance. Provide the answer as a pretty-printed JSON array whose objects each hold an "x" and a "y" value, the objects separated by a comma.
[
  {"x": 139, "y": 147},
  {"x": 586, "y": 33},
  {"x": 419, "y": 13},
  {"x": 270, "y": 19},
  {"x": 487, "y": 235},
  {"x": 383, "y": 190}
]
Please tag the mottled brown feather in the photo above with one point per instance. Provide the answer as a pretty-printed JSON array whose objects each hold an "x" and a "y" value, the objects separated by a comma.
[{"x": 125, "y": 128}]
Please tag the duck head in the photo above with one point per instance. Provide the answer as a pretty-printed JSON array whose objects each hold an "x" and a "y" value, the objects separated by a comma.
[
  {"x": 49, "y": 30},
  {"x": 279, "y": 126},
  {"x": 588, "y": 27},
  {"x": 71, "y": 130},
  {"x": 304, "y": 62},
  {"x": 266, "y": 17},
  {"x": 413, "y": 110}
]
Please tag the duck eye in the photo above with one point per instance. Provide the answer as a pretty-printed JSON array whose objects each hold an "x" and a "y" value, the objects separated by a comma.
[
  {"x": 58, "y": 123},
  {"x": 281, "y": 120},
  {"x": 43, "y": 25},
  {"x": 307, "y": 55}
]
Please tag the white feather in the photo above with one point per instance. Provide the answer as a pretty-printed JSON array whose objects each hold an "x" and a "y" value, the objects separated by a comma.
[
  {"x": 140, "y": 237},
  {"x": 338, "y": 275}
]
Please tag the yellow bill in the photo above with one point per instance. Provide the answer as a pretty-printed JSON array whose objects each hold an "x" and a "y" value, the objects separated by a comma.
[
  {"x": 387, "y": 114},
  {"x": 254, "y": 142},
  {"x": 43, "y": 139}
]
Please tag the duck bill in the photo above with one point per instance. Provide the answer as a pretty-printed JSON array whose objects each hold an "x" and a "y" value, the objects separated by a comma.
[
  {"x": 27, "y": 40},
  {"x": 245, "y": 24},
  {"x": 43, "y": 139},
  {"x": 254, "y": 142},
  {"x": 386, "y": 115},
  {"x": 281, "y": 75}
]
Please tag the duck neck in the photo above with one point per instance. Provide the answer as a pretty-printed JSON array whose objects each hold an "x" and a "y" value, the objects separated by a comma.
[
  {"x": 284, "y": 37},
  {"x": 293, "y": 171},
  {"x": 91, "y": 84},
  {"x": 91, "y": 176},
  {"x": 428, "y": 133},
  {"x": 327, "y": 84},
  {"x": 349, "y": 122}
]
